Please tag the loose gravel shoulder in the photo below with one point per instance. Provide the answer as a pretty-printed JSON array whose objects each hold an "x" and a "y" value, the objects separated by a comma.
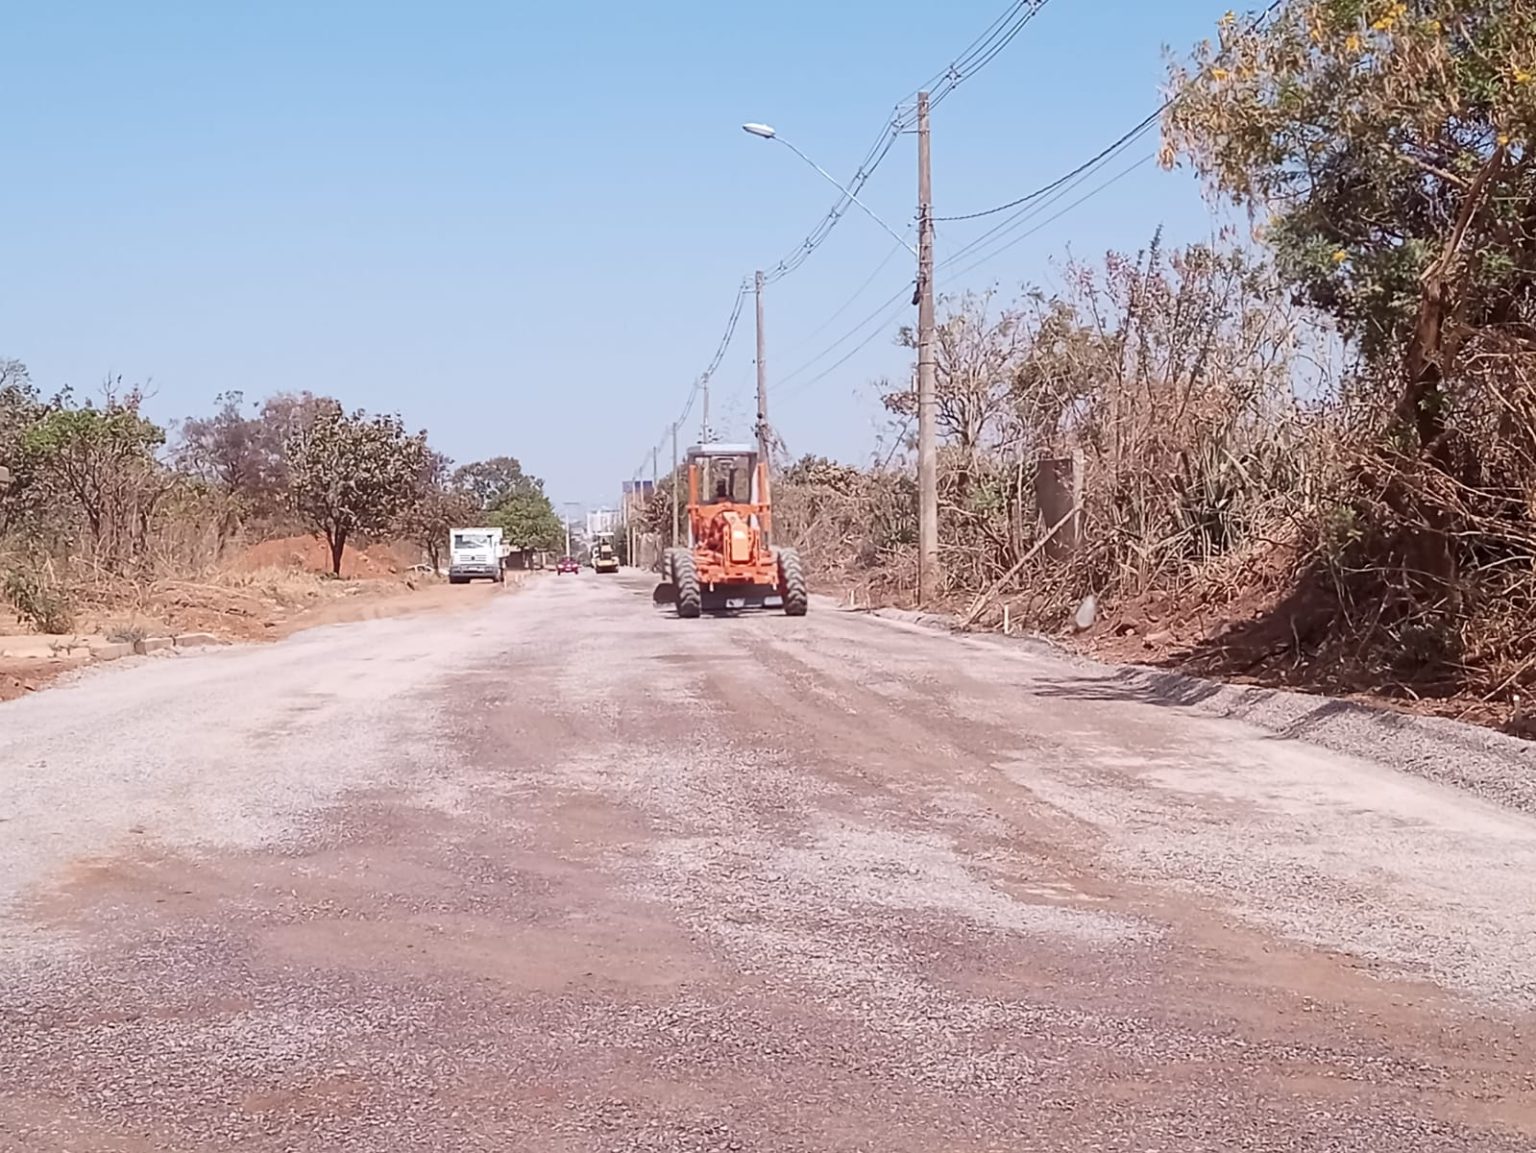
[
  {"x": 1483, "y": 762},
  {"x": 571, "y": 874}
]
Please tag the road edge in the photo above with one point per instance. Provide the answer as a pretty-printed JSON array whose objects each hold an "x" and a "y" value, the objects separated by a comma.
[
  {"x": 99, "y": 655},
  {"x": 1467, "y": 757}
]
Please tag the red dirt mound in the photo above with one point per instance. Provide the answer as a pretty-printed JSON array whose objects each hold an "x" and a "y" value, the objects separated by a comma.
[{"x": 312, "y": 554}]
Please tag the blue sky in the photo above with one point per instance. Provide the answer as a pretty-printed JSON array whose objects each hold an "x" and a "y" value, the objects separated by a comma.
[{"x": 522, "y": 226}]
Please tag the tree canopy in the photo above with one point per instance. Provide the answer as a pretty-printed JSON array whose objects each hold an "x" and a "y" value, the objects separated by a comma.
[
  {"x": 1389, "y": 146},
  {"x": 528, "y": 519},
  {"x": 353, "y": 473},
  {"x": 489, "y": 482},
  {"x": 510, "y": 499}
]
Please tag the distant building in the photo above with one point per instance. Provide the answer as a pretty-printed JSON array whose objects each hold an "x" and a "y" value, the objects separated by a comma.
[{"x": 602, "y": 520}]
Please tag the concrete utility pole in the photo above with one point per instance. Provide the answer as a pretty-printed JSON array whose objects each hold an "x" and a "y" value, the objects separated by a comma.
[
  {"x": 655, "y": 454},
  {"x": 928, "y": 574},
  {"x": 704, "y": 416},
  {"x": 763, "y": 454},
  {"x": 629, "y": 521},
  {"x": 676, "y": 509}
]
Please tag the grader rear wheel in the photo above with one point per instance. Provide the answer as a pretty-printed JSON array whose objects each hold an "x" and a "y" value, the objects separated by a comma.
[
  {"x": 792, "y": 583},
  {"x": 665, "y": 592},
  {"x": 685, "y": 578}
]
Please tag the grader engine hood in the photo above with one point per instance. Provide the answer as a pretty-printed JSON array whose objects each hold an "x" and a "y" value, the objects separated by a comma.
[
  {"x": 736, "y": 537},
  {"x": 732, "y": 536}
]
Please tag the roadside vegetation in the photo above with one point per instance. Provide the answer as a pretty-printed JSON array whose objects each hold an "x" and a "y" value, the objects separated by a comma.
[
  {"x": 1304, "y": 454},
  {"x": 101, "y": 504}
]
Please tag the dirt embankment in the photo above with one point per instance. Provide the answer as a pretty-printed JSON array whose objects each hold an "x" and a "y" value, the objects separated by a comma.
[
  {"x": 265, "y": 592},
  {"x": 1266, "y": 629}
]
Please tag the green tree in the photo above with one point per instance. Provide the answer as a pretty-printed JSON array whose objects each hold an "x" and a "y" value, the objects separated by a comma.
[
  {"x": 101, "y": 461},
  {"x": 436, "y": 509},
  {"x": 20, "y": 406},
  {"x": 238, "y": 451},
  {"x": 353, "y": 474},
  {"x": 1391, "y": 145},
  {"x": 488, "y": 482},
  {"x": 510, "y": 499},
  {"x": 527, "y": 519}
]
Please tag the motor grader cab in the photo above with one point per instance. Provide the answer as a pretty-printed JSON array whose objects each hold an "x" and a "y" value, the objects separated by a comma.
[{"x": 728, "y": 562}]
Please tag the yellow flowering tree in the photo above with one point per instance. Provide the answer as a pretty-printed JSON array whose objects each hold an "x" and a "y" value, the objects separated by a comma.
[{"x": 1388, "y": 145}]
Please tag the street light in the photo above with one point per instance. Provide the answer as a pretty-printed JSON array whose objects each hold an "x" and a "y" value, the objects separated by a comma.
[{"x": 768, "y": 132}]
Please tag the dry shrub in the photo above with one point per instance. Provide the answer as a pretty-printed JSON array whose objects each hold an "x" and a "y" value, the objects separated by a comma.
[
  {"x": 1228, "y": 477},
  {"x": 1172, "y": 380},
  {"x": 39, "y": 601},
  {"x": 1430, "y": 560}
]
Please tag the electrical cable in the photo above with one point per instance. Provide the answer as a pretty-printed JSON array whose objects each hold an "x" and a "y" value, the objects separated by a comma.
[
  {"x": 1140, "y": 128},
  {"x": 1022, "y": 13},
  {"x": 720, "y": 350},
  {"x": 858, "y": 292},
  {"x": 981, "y": 52},
  {"x": 1028, "y": 211},
  {"x": 885, "y": 312},
  {"x": 1133, "y": 134},
  {"x": 1089, "y": 195},
  {"x": 905, "y": 292},
  {"x": 851, "y": 353}
]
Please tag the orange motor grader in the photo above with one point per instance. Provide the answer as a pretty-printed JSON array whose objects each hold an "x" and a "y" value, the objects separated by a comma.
[{"x": 728, "y": 563}]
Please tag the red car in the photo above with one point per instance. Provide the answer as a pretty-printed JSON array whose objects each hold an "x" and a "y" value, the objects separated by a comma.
[{"x": 567, "y": 565}]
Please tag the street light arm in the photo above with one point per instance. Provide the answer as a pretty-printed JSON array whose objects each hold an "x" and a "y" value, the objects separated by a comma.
[{"x": 832, "y": 180}]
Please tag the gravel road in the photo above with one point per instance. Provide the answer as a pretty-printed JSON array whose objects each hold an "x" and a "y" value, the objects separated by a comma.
[{"x": 564, "y": 873}]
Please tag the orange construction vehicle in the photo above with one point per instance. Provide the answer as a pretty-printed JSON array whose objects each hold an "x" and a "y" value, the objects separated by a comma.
[{"x": 729, "y": 563}]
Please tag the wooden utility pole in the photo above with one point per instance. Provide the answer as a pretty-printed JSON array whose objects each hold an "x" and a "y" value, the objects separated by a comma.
[
  {"x": 676, "y": 510},
  {"x": 928, "y": 574},
  {"x": 763, "y": 455}
]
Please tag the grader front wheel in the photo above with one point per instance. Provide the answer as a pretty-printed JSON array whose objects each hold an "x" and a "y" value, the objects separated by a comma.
[
  {"x": 665, "y": 592},
  {"x": 685, "y": 579},
  {"x": 792, "y": 583}
]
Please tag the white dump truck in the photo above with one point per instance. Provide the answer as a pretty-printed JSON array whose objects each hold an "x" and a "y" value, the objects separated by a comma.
[{"x": 475, "y": 554}]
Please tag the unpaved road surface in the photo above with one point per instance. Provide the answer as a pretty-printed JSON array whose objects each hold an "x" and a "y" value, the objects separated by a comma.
[{"x": 565, "y": 873}]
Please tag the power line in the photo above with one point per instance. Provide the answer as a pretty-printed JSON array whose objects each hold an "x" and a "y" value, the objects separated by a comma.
[
  {"x": 703, "y": 379},
  {"x": 976, "y": 56},
  {"x": 814, "y": 239},
  {"x": 967, "y": 52},
  {"x": 1089, "y": 195},
  {"x": 905, "y": 292},
  {"x": 885, "y": 312},
  {"x": 725, "y": 343},
  {"x": 1139, "y": 129},
  {"x": 1035, "y": 207},
  {"x": 1104, "y": 153},
  {"x": 857, "y": 292},
  {"x": 885, "y": 315},
  {"x": 1065, "y": 185},
  {"x": 1005, "y": 30},
  {"x": 719, "y": 352}
]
